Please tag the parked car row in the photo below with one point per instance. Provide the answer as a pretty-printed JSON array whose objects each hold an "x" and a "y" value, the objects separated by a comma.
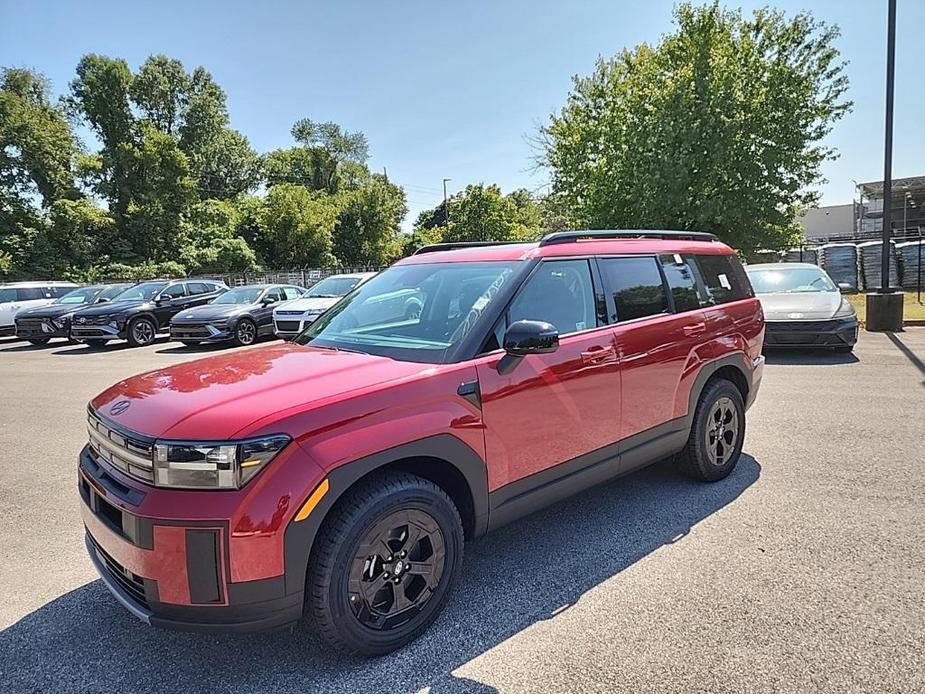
[{"x": 192, "y": 311}]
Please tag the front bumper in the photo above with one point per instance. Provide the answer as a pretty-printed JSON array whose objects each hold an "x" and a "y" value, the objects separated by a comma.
[
  {"x": 287, "y": 327},
  {"x": 201, "y": 332},
  {"x": 175, "y": 572},
  {"x": 823, "y": 334},
  {"x": 7, "y": 330},
  {"x": 97, "y": 332},
  {"x": 39, "y": 329}
]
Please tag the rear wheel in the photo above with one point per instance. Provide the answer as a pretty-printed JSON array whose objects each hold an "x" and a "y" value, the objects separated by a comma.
[
  {"x": 141, "y": 332},
  {"x": 38, "y": 340},
  {"x": 384, "y": 563},
  {"x": 717, "y": 433}
]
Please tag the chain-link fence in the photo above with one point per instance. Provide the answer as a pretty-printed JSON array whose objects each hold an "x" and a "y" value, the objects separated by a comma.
[{"x": 303, "y": 277}]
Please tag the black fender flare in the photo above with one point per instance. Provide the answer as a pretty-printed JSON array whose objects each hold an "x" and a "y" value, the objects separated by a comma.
[
  {"x": 739, "y": 361},
  {"x": 300, "y": 536}
]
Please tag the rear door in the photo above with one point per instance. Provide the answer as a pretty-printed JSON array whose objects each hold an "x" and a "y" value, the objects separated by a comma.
[
  {"x": 552, "y": 408},
  {"x": 173, "y": 300},
  {"x": 656, "y": 333},
  {"x": 264, "y": 312}
]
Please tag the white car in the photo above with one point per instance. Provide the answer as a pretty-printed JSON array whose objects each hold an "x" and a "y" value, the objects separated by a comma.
[
  {"x": 19, "y": 295},
  {"x": 292, "y": 317}
]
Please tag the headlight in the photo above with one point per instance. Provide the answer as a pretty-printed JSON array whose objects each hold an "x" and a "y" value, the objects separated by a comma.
[
  {"x": 62, "y": 321},
  {"x": 211, "y": 465},
  {"x": 846, "y": 310}
]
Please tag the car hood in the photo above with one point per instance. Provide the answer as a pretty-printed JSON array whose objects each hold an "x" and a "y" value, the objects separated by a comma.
[
  {"x": 49, "y": 310},
  {"x": 800, "y": 305},
  {"x": 109, "y": 308},
  {"x": 315, "y": 303},
  {"x": 219, "y": 397},
  {"x": 212, "y": 312}
]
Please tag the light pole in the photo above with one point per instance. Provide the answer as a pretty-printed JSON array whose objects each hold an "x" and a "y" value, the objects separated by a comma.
[
  {"x": 885, "y": 308},
  {"x": 446, "y": 207}
]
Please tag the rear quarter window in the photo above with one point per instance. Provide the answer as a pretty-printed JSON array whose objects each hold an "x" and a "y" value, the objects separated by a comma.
[
  {"x": 636, "y": 286},
  {"x": 723, "y": 277}
]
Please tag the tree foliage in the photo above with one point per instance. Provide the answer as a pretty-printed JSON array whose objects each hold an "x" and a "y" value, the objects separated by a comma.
[{"x": 719, "y": 127}]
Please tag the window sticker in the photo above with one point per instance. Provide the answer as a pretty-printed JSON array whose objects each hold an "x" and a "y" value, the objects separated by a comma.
[
  {"x": 678, "y": 260},
  {"x": 580, "y": 325},
  {"x": 724, "y": 281}
]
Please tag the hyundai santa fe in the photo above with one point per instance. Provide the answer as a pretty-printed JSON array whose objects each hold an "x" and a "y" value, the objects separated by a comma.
[{"x": 336, "y": 477}]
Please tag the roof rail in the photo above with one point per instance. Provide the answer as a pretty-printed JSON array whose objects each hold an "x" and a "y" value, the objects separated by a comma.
[
  {"x": 434, "y": 247},
  {"x": 591, "y": 234}
]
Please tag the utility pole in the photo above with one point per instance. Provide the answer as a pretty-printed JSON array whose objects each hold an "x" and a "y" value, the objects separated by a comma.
[
  {"x": 885, "y": 309},
  {"x": 446, "y": 207}
]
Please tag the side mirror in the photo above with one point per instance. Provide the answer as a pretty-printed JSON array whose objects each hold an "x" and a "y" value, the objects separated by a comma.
[
  {"x": 530, "y": 337},
  {"x": 103, "y": 300},
  {"x": 267, "y": 300}
]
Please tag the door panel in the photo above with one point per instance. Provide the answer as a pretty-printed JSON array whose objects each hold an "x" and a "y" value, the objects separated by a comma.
[{"x": 550, "y": 408}]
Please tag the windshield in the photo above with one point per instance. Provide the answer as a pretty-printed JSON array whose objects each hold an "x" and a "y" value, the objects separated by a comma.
[
  {"x": 411, "y": 312},
  {"x": 244, "y": 295},
  {"x": 332, "y": 287},
  {"x": 141, "y": 292},
  {"x": 790, "y": 280},
  {"x": 83, "y": 295}
]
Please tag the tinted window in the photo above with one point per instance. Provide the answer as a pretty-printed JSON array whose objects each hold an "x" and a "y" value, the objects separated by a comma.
[
  {"x": 84, "y": 295},
  {"x": 174, "y": 291},
  {"x": 724, "y": 278},
  {"x": 637, "y": 287},
  {"x": 112, "y": 292},
  {"x": 559, "y": 292},
  {"x": 141, "y": 292},
  {"x": 198, "y": 288},
  {"x": 681, "y": 282},
  {"x": 7, "y": 295},
  {"x": 60, "y": 291},
  {"x": 333, "y": 287},
  {"x": 292, "y": 293},
  {"x": 32, "y": 293}
]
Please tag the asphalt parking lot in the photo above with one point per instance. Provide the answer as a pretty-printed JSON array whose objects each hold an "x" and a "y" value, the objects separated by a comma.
[{"x": 802, "y": 571}]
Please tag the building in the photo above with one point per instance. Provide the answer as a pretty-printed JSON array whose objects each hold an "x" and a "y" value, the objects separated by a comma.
[
  {"x": 822, "y": 223},
  {"x": 906, "y": 216}
]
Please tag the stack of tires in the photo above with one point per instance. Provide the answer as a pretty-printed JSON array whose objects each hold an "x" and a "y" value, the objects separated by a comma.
[
  {"x": 870, "y": 258},
  {"x": 840, "y": 261},
  {"x": 911, "y": 253},
  {"x": 805, "y": 255}
]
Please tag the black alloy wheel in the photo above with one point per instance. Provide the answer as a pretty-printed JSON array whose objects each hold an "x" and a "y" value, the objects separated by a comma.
[
  {"x": 717, "y": 433},
  {"x": 383, "y": 564},
  {"x": 141, "y": 332},
  {"x": 246, "y": 332}
]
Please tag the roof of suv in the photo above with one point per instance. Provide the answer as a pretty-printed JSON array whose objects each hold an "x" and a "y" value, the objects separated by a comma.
[{"x": 589, "y": 246}]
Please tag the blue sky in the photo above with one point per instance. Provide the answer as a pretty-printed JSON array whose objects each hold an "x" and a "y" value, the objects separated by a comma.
[{"x": 444, "y": 89}]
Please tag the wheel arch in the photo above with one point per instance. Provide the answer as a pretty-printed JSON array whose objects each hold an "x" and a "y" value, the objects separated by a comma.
[
  {"x": 443, "y": 459},
  {"x": 732, "y": 367}
]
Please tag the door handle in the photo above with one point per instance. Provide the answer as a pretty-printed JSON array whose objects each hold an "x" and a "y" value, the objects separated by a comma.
[
  {"x": 598, "y": 353},
  {"x": 695, "y": 329}
]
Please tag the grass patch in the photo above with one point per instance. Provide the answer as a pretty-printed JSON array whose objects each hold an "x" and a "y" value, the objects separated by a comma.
[{"x": 912, "y": 309}]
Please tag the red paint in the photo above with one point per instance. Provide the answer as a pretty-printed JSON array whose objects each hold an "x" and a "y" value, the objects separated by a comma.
[{"x": 600, "y": 386}]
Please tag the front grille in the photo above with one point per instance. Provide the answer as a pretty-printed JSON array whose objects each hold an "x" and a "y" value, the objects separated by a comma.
[
  {"x": 30, "y": 323},
  {"x": 189, "y": 330},
  {"x": 92, "y": 320},
  {"x": 289, "y": 313},
  {"x": 806, "y": 326},
  {"x": 131, "y": 453},
  {"x": 131, "y": 583},
  {"x": 288, "y": 326}
]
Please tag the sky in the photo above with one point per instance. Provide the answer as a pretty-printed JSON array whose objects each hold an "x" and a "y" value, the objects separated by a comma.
[{"x": 447, "y": 90}]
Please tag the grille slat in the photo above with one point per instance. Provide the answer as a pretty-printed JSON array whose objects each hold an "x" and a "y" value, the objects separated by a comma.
[
  {"x": 132, "y": 455},
  {"x": 129, "y": 582},
  {"x": 287, "y": 325}
]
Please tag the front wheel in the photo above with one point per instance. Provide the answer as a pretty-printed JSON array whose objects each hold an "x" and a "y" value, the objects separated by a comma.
[
  {"x": 246, "y": 332},
  {"x": 141, "y": 332},
  {"x": 717, "y": 433},
  {"x": 384, "y": 564},
  {"x": 38, "y": 340}
]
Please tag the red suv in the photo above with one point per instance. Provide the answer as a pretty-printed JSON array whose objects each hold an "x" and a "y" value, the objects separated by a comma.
[{"x": 337, "y": 476}]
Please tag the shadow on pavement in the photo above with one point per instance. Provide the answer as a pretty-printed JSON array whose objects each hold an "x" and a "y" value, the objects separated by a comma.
[
  {"x": 24, "y": 346},
  {"x": 907, "y": 352},
  {"x": 808, "y": 357},
  {"x": 82, "y": 349},
  {"x": 84, "y": 641}
]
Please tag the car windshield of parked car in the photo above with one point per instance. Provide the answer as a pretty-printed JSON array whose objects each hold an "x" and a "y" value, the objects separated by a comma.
[
  {"x": 790, "y": 281},
  {"x": 333, "y": 287},
  {"x": 412, "y": 312},
  {"x": 141, "y": 292},
  {"x": 83, "y": 295},
  {"x": 244, "y": 295}
]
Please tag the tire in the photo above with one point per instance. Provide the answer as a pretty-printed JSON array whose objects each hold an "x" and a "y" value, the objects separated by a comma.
[
  {"x": 245, "y": 332},
  {"x": 702, "y": 459},
  {"x": 344, "y": 602},
  {"x": 141, "y": 332},
  {"x": 38, "y": 341}
]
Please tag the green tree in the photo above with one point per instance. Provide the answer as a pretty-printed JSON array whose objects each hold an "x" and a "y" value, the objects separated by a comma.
[
  {"x": 719, "y": 128},
  {"x": 367, "y": 231},
  {"x": 295, "y": 227},
  {"x": 210, "y": 240},
  {"x": 482, "y": 213},
  {"x": 80, "y": 233}
]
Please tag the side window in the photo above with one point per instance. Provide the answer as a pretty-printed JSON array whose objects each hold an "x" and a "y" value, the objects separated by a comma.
[
  {"x": 559, "y": 292},
  {"x": 636, "y": 283},
  {"x": 58, "y": 292},
  {"x": 291, "y": 293},
  {"x": 198, "y": 288},
  {"x": 681, "y": 282},
  {"x": 174, "y": 291},
  {"x": 7, "y": 295},
  {"x": 32, "y": 293},
  {"x": 112, "y": 292},
  {"x": 276, "y": 293},
  {"x": 724, "y": 278}
]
